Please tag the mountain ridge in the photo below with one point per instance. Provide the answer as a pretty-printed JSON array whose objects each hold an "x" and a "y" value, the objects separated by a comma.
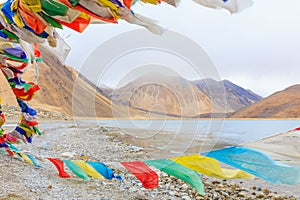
[
  {"x": 173, "y": 92},
  {"x": 281, "y": 104}
]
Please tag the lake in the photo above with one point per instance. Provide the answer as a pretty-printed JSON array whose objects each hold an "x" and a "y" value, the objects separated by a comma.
[
  {"x": 180, "y": 135},
  {"x": 236, "y": 131}
]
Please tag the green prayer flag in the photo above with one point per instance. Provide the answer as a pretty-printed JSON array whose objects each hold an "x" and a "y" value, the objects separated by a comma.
[
  {"x": 187, "y": 175},
  {"x": 51, "y": 21},
  {"x": 76, "y": 170},
  {"x": 54, "y": 8}
]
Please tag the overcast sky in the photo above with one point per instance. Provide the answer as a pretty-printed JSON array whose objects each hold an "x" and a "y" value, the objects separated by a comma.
[{"x": 257, "y": 49}]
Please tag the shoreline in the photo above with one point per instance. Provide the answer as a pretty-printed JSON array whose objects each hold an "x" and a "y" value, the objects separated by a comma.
[{"x": 137, "y": 118}]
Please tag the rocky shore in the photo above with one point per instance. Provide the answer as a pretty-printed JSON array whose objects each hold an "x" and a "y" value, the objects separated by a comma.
[
  {"x": 82, "y": 140},
  {"x": 13, "y": 113}
]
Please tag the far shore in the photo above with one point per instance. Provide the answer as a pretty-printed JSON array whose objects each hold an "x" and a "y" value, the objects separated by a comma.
[{"x": 143, "y": 118}]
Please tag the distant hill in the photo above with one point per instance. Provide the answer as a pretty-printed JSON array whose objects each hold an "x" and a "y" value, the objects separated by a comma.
[
  {"x": 175, "y": 96},
  {"x": 58, "y": 93},
  {"x": 65, "y": 91},
  {"x": 227, "y": 94},
  {"x": 282, "y": 104}
]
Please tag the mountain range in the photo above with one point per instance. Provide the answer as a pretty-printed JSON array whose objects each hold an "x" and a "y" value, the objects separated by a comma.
[
  {"x": 176, "y": 96},
  {"x": 66, "y": 91}
]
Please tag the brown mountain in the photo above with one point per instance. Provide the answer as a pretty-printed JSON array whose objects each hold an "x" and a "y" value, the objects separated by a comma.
[
  {"x": 176, "y": 96},
  {"x": 227, "y": 94},
  {"x": 166, "y": 95},
  {"x": 282, "y": 104},
  {"x": 63, "y": 91}
]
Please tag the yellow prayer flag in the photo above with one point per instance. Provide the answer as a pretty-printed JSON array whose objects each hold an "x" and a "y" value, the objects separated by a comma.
[
  {"x": 151, "y": 1},
  {"x": 88, "y": 169},
  {"x": 26, "y": 158},
  {"x": 210, "y": 167},
  {"x": 106, "y": 3}
]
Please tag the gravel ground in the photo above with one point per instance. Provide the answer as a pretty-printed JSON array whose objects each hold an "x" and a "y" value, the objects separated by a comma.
[{"x": 63, "y": 139}]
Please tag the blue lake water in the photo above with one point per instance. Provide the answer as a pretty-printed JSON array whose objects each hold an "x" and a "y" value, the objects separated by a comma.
[
  {"x": 235, "y": 131},
  {"x": 228, "y": 131}
]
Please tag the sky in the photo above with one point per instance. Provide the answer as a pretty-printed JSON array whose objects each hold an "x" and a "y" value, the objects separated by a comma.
[{"x": 256, "y": 49}]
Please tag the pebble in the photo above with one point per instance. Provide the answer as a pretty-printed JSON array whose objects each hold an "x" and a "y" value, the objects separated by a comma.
[
  {"x": 266, "y": 191},
  {"x": 225, "y": 194},
  {"x": 216, "y": 197},
  {"x": 186, "y": 197},
  {"x": 242, "y": 194},
  {"x": 277, "y": 197},
  {"x": 260, "y": 195},
  {"x": 68, "y": 154},
  {"x": 292, "y": 197}
]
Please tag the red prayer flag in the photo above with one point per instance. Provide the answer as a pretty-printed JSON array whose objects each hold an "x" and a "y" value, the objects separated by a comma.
[
  {"x": 60, "y": 167},
  {"x": 127, "y": 3},
  {"x": 141, "y": 171}
]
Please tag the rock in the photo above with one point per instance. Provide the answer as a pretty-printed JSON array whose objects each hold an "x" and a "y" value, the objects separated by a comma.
[
  {"x": 270, "y": 196},
  {"x": 292, "y": 197},
  {"x": 68, "y": 154},
  {"x": 277, "y": 197},
  {"x": 225, "y": 194},
  {"x": 32, "y": 190},
  {"x": 171, "y": 193},
  {"x": 215, "y": 182},
  {"x": 216, "y": 197},
  {"x": 141, "y": 197},
  {"x": 240, "y": 189},
  {"x": 194, "y": 192},
  {"x": 184, "y": 186},
  {"x": 260, "y": 195},
  {"x": 186, "y": 197},
  {"x": 266, "y": 191},
  {"x": 242, "y": 194},
  {"x": 234, "y": 185}
]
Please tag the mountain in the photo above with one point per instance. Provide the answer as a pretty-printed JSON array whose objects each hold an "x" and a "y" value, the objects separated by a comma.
[
  {"x": 227, "y": 94},
  {"x": 166, "y": 95},
  {"x": 175, "y": 96},
  {"x": 282, "y": 104},
  {"x": 63, "y": 90}
]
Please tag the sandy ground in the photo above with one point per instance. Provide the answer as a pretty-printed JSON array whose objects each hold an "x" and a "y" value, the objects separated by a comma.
[{"x": 20, "y": 180}]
